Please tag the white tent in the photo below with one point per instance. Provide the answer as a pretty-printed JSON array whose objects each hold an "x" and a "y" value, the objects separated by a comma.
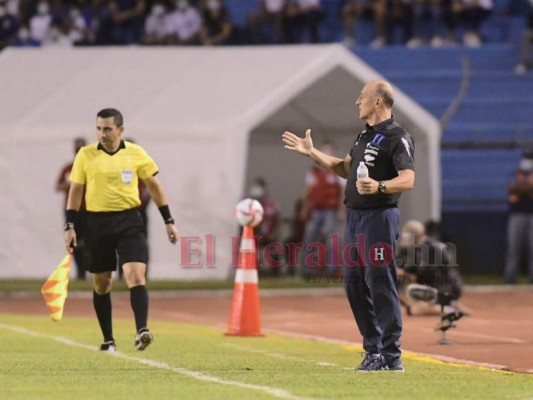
[{"x": 212, "y": 120}]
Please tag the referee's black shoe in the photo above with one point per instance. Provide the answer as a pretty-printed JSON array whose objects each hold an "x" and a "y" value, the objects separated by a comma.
[{"x": 108, "y": 346}]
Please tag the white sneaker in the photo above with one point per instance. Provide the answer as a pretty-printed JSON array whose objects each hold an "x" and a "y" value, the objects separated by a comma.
[
  {"x": 437, "y": 42},
  {"x": 348, "y": 41},
  {"x": 471, "y": 39},
  {"x": 377, "y": 43},
  {"x": 520, "y": 69},
  {"x": 414, "y": 43}
]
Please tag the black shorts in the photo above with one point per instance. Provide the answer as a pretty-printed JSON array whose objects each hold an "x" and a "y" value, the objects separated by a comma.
[{"x": 112, "y": 234}]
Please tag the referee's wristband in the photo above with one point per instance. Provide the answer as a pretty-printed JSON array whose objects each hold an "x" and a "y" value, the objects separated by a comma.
[
  {"x": 165, "y": 213},
  {"x": 71, "y": 216}
]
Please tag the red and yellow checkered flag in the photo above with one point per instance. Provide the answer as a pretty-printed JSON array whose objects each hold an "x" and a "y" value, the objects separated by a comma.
[{"x": 54, "y": 290}]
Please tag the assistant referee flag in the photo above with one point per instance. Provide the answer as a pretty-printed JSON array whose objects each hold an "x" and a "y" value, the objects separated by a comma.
[{"x": 54, "y": 290}]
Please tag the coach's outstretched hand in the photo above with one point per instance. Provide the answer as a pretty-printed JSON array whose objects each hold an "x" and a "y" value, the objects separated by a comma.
[{"x": 300, "y": 145}]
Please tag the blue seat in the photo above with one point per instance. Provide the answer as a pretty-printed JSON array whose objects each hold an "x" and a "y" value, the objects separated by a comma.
[{"x": 483, "y": 188}]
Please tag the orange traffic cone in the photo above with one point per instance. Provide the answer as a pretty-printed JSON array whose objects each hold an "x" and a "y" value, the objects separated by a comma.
[{"x": 245, "y": 314}]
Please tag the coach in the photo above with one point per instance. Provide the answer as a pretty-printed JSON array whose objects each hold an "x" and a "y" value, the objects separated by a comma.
[{"x": 372, "y": 220}]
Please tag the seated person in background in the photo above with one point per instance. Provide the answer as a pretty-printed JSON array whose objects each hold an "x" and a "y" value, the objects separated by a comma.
[
  {"x": 24, "y": 38},
  {"x": 428, "y": 23},
  {"x": 216, "y": 28},
  {"x": 269, "y": 12},
  {"x": 428, "y": 263},
  {"x": 303, "y": 17},
  {"x": 467, "y": 14},
  {"x": 351, "y": 12},
  {"x": 126, "y": 20},
  {"x": 40, "y": 22},
  {"x": 184, "y": 24},
  {"x": 155, "y": 25},
  {"x": 8, "y": 26},
  {"x": 471, "y": 14}
]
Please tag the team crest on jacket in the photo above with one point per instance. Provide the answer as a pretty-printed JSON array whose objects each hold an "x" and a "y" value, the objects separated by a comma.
[
  {"x": 127, "y": 176},
  {"x": 370, "y": 154}
]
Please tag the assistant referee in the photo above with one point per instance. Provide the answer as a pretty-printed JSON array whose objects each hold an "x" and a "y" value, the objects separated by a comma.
[{"x": 109, "y": 171}]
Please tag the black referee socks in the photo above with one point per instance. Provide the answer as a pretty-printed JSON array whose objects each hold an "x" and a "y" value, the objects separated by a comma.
[
  {"x": 102, "y": 306},
  {"x": 139, "y": 305}
]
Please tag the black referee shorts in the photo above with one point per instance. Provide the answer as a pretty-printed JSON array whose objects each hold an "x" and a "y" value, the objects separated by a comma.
[{"x": 112, "y": 234}]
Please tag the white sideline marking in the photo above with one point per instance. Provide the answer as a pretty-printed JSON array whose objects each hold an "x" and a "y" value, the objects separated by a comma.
[
  {"x": 280, "y": 393},
  {"x": 278, "y": 355}
]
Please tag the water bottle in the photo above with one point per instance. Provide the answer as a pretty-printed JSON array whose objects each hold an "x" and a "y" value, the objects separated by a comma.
[{"x": 362, "y": 170}]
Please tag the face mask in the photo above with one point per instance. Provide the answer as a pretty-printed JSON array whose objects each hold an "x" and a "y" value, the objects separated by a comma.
[
  {"x": 257, "y": 191},
  {"x": 54, "y": 33},
  {"x": 182, "y": 5},
  {"x": 2, "y": 12},
  {"x": 213, "y": 5},
  {"x": 43, "y": 8},
  {"x": 74, "y": 13},
  {"x": 23, "y": 34},
  {"x": 158, "y": 10}
]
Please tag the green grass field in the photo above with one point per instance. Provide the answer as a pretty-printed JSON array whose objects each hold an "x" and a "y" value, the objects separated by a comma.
[{"x": 45, "y": 360}]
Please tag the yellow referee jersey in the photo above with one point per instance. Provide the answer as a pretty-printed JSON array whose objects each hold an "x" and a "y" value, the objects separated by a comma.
[{"x": 111, "y": 180}]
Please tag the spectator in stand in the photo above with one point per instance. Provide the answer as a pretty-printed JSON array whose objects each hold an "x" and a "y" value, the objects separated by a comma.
[
  {"x": 450, "y": 19},
  {"x": 13, "y": 7},
  {"x": 322, "y": 209},
  {"x": 155, "y": 26},
  {"x": 387, "y": 14},
  {"x": 351, "y": 12},
  {"x": 302, "y": 19},
  {"x": 527, "y": 39},
  {"x": 428, "y": 23},
  {"x": 472, "y": 13},
  {"x": 8, "y": 26},
  {"x": 520, "y": 222},
  {"x": 457, "y": 15},
  {"x": 270, "y": 12},
  {"x": 393, "y": 13},
  {"x": 217, "y": 27},
  {"x": 41, "y": 22},
  {"x": 268, "y": 229},
  {"x": 126, "y": 20},
  {"x": 24, "y": 38},
  {"x": 184, "y": 24},
  {"x": 58, "y": 35},
  {"x": 77, "y": 28},
  {"x": 63, "y": 185}
]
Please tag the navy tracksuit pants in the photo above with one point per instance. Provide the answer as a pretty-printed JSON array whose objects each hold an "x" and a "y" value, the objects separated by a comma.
[{"x": 370, "y": 278}]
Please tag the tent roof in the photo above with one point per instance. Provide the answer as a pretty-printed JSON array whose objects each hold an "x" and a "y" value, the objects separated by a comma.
[{"x": 185, "y": 89}]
